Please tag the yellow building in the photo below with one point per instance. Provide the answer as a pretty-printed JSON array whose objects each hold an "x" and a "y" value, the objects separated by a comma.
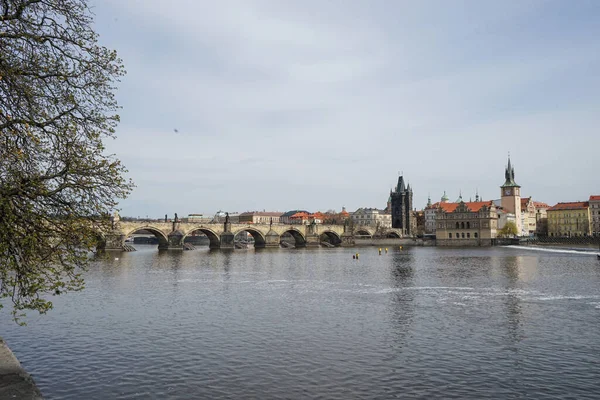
[{"x": 569, "y": 219}]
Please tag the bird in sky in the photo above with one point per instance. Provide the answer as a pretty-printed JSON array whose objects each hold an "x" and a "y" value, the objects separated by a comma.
[{"x": 175, "y": 130}]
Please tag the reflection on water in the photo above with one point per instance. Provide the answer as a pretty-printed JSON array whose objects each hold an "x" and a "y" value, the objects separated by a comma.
[{"x": 304, "y": 323}]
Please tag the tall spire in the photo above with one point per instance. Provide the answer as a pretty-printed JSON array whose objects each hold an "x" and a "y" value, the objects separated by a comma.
[
  {"x": 400, "y": 188},
  {"x": 509, "y": 175},
  {"x": 476, "y": 194},
  {"x": 429, "y": 200}
]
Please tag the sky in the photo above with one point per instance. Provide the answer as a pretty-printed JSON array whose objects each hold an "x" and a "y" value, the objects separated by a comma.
[{"x": 319, "y": 105}]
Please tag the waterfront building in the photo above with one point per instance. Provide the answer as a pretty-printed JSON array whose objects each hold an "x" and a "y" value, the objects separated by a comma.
[
  {"x": 466, "y": 223},
  {"x": 569, "y": 219},
  {"x": 418, "y": 222},
  {"x": 260, "y": 217},
  {"x": 510, "y": 193},
  {"x": 431, "y": 210},
  {"x": 371, "y": 217},
  {"x": 402, "y": 216},
  {"x": 504, "y": 217},
  {"x": 532, "y": 212},
  {"x": 541, "y": 220},
  {"x": 595, "y": 214}
]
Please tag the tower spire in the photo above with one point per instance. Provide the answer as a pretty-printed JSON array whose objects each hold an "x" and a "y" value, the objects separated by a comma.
[{"x": 509, "y": 174}]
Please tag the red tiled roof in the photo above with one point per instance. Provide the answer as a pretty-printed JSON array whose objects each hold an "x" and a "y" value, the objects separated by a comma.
[
  {"x": 594, "y": 198},
  {"x": 576, "y": 205},
  {"x": 540, "y": 204},
  {"x": 473, "y": 206},
  {"x": 524, "y": 202},
  {"x": 300, "y": 215}
]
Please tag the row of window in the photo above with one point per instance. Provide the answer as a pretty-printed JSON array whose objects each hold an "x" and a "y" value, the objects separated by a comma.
[
  {"x": 552, "y": 215},
  {"x": 461, "y": 235},
  {"x": 569, "y": 234}
]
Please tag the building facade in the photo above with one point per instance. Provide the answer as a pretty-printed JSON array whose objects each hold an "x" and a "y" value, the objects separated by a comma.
[
  {"x": 534, "y": 219},
  {"x": 569, "y": 219},
  {"x": 402, "y": 215},
  {"x": 260, "y": 217},
  {"x": 371, "y": 217},
  {"x": 430, "y": 212},
  {"x": 466, "y": 224},
  {"x": 595, "y": 214}
]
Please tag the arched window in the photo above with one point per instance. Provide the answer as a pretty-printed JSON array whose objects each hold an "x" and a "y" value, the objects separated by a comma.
[
  {"x": 463, "y": 235},
  {"x": 457, "y": 225},
  {"x": 457, "y": 235},
  {"x": 468, "y": 225},
  {"x": 462, "y": 225},
  {"x": 468, "y": 235},
  {"x": 475, "y": 234},
  {"x": 449, "y": 235}
]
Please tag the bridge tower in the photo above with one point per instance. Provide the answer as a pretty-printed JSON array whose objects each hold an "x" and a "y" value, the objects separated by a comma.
[{"x": 402, "y": 215}]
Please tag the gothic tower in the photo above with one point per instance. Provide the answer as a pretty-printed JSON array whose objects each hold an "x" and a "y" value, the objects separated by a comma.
[
  {"x": 511, "y": 194},
  {"x": 402, "y": 215}
]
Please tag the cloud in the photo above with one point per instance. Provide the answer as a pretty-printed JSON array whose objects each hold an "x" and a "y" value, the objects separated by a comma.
[{"x": 317, "y": 104}]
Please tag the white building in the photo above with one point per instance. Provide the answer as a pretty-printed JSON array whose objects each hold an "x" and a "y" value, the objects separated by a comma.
[
  {"x": 371, "y": 217},
  {"x": 430, "y": 212}
]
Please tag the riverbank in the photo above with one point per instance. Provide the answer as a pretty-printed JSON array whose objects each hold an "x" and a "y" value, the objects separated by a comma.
[{"x": 15, "y": 382}]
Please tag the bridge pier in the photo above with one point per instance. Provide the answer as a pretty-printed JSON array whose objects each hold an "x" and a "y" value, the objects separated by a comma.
[
  {"x": 227, "y": 240},
  {"x": 175, "y": 242},
  {"x": 272, "y": 239},
  {"x": 113, "y": 241},
  {"x": 312, "y": 240},
  {"x": 347, "y": 240}
]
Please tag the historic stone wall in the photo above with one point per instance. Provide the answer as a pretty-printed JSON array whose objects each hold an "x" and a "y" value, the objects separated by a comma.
[{"x": 171, "y": 235}]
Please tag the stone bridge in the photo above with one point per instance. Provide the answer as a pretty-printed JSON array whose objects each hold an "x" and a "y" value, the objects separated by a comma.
[{"x": 171, "y": 235}]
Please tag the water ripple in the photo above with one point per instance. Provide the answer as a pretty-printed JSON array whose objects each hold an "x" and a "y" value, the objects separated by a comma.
[{"x": 421, "y": 323}]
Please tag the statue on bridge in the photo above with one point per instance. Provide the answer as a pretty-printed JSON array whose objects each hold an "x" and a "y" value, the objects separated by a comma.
[
  {"x": 176, "y": 218},
  {"x": 271, "y": 223},
  {"x": 166, "y": 218},
  {"x": 226, "y": 217},
  {"x": 114, "y": 219}
]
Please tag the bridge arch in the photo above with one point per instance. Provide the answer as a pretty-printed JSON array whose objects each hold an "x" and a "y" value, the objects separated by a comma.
[
  {"x": 363, "y": 232},
  {"x": 299, "y": 239},
  {"x": 163, "y": 240},
  {"x": 392, "y": 235},
  {"x": 330, "y": 237},
  {"x": 258, "y": 236},
  {"x": 215, "y": 240}
]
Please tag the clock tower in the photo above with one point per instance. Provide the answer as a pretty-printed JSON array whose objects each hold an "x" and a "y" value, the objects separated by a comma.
[{"x": 511, "y": 195}]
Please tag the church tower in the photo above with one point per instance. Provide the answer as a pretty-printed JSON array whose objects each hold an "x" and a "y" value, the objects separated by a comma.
[
  {"x": 402, "y": 215},
  {"x": 511, "y": 194}
]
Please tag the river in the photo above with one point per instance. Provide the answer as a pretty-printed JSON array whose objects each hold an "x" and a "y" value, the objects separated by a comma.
[{"x": 493, "y": 323}]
